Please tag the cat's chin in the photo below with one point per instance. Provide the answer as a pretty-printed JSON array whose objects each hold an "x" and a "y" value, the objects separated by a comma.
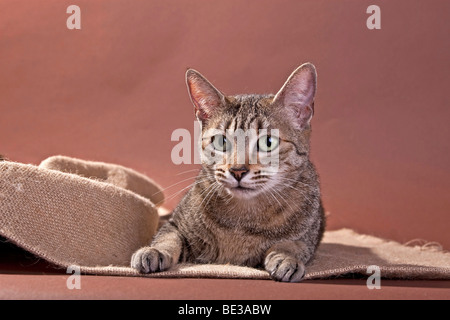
[{"x": 242, "y": 192}]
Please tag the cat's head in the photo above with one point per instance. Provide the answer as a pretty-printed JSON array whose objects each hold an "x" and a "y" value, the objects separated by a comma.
[{"x": 253, "y": 144}]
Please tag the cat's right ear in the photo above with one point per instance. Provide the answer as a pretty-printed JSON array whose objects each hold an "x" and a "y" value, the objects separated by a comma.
[{"x": 205, "y": 97}]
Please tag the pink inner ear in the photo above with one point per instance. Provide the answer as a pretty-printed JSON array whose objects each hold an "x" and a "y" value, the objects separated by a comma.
[
  {"x": 297, "y": 94},
  {"x": 304, "y": 115},
  {"x": 300, "y": 90},
  {"x": 197, "y": 99},
  {"x": 204, "y": 104},
  {"x": 299, "y": 102},
  {"x": 204, "y": 96}
]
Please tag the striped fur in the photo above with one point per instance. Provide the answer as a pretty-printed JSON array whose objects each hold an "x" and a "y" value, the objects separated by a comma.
[{"x": 276, "y": 224}]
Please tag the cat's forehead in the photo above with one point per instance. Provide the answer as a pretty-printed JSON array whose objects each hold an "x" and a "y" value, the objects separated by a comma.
[
  {"x": 244, "y": 112},
  {"x": 250, "y": 102}
]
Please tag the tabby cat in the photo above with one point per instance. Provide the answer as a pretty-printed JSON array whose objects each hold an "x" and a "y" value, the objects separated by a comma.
[{"x": 249, "y": 214}]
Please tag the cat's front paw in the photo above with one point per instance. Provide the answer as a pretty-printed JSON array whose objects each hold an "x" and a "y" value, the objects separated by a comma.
[
  {"x": 149, "y": 259},
  {"x": 283, "y": 267}
]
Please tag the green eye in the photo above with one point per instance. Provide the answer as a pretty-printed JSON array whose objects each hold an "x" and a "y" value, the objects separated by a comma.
[
  {"x": 268, "y": 143},
  {"x": 220, "y": 143}
]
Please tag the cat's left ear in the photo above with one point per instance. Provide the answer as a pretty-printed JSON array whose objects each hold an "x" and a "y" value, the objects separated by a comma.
[
  {"x": 297, "y": 94},
  {"x": 206, "y": 98}
]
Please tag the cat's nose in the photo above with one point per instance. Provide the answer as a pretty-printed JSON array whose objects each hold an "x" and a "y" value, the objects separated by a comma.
[{"x": 238, "y": 173}]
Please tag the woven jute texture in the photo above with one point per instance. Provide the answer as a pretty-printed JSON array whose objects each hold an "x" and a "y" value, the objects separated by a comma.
[
  {"x": 88, "y": 217},
  {"x": 342, "y": 252},
  {"x": 95, "y": 215}
]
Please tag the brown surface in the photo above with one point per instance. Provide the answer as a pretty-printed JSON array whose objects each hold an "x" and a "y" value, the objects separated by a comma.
[
  {"x": 114, "y": 91},
  {"x": 54, "y": 287}
]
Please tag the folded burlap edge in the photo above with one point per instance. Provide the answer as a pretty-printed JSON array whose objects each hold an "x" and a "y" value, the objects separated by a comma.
[{"x": 68, "y": 218}]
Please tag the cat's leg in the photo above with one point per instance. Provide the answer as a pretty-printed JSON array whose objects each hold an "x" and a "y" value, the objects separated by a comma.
[
  {"x": 285, "y": 260},
  {"x": 164, "y": 251}
]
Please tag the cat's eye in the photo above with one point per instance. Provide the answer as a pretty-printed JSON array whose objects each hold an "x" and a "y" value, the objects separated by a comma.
[
  {"x": 220, "y": 143},
  {"x": 268, "y": 143}
]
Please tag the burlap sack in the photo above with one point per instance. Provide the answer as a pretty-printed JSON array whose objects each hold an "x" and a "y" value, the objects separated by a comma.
[
  {"x": 98, "y": 215},
  {"x": 99, "y": 220}
]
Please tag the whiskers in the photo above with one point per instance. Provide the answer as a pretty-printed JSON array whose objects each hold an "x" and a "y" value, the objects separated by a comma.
[
  {"x": 176, "y": 193},
  {"x": 288, "y": 182},
  {"x": 213, "y": 189},
  {"x": 277, "y": 189},
  {"x": 209, "y": 192},
  {"x": 274, "y": 185}
]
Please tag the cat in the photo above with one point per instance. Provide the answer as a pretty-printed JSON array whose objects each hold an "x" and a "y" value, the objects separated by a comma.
[{"x": 248, "y": 214}]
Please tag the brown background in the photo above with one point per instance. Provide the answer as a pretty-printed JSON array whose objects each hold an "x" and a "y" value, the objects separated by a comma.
[{"x": 114, "y": 91}]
